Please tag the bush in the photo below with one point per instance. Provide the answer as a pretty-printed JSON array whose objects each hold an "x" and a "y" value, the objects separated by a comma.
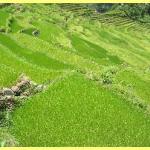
[
  {"x": 108, "y": 75},
  {"x": 135, "y": 11}
]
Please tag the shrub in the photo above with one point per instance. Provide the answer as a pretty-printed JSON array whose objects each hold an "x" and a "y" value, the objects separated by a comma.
[{"x": 108, "y": 74}]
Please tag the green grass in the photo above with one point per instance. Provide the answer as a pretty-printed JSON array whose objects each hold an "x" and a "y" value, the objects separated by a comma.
[
  {"x": 79, "y": 108},
  {"x": 89, "y": 49},
  {"x": 10, "y": 70},
  {"x": 138, "y": 84},
  {"x": 37, "y": 58},
  {"x": 77, "y": 112},
  {"x": 4, "y": 16},
  {"x": 67, "y": 57},
  {"x": 29, "y": 31},
  {"x": 15, "y": 27},
  {"x": 52, "y": 33}
]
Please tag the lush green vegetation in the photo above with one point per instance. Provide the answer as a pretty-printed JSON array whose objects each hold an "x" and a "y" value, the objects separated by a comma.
[
  {"x": 98, "y": 65},
  {"x": 134, "y": 11},
  {"x": 77, "y": 112}
]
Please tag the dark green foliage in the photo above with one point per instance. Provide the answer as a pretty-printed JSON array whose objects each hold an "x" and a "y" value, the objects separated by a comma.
[
  {"x": 135, "y": 11},
  {"x": 101, "y": 8},
  {"x": 2, "y": 5},
  {"x": 108, "y": 75}
]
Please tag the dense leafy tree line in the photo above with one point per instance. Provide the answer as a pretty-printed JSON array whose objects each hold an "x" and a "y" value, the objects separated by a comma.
[
  {"x": 101, "y": 7},
  {"x": 4, "y": 4},
  {"x": 134, "y": 11}
]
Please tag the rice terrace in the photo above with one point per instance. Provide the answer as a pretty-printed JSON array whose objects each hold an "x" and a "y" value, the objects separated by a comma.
[{"x": 74, "y": 75}]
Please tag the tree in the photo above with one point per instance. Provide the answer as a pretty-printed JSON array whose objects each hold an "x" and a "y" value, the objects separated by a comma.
[{"x": 135, "y": 11}]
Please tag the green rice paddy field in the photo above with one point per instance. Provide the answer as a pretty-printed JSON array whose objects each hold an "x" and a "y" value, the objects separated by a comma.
[{"x": 102, "y": 95}]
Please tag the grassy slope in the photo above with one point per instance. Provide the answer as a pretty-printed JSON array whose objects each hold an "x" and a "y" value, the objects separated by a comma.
[
  {"x": 139, "y": 85},
  {"x": 76, "y": 112},
  {"x": 4, "y": 15},
  {"x": 37, "y": 58},
  {"x": 10, "y": 70}
]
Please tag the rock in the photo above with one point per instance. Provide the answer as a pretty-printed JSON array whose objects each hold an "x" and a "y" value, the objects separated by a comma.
[
  {"x": 1, "y": 92},
  {"x": 23, "y": 78},
  {"x": 2, "y": 104},
  {"x": 35, "y": 33},
  {"x": 39, "y": 88},
  {"x": 22, "y": 84},
  {"x": 10, "y": 101},
  {"x": 10, "y": 104},
  {"x": 21, "y": 91},
  {"x": 2, "y": 98},
  {"x": 25, "y": 86},
  {"x": 19, "y": 84},
  {"x": 22, "y": 97},
  {"x": 9, "y": 98},
  {"x": 33, "y": 83},
  {"x": 15, "y": 89},
  {"x": 25, "y": 94},
  {"x": 8, "y": 91}
]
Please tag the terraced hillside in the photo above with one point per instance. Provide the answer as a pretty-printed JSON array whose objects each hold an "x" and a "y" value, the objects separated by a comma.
[{"x": 97, "y": 67}]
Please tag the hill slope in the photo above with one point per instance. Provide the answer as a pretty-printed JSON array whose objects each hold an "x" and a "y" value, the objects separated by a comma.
[{"x": 102, "y": 63}]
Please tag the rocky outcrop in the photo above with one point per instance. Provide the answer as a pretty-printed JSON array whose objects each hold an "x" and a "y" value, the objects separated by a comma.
[{"x": 21, "y": 91}]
